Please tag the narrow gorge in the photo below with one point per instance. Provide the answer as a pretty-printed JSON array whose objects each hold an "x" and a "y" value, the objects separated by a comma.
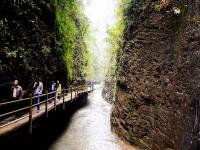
[{"x": 146, "y": 52}]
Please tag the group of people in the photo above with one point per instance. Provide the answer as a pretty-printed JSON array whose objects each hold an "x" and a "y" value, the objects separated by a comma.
[{"x": 17, "y": 91}]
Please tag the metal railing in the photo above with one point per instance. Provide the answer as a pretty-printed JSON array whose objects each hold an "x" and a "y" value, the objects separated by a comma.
[{"x": 46, "y": 103}]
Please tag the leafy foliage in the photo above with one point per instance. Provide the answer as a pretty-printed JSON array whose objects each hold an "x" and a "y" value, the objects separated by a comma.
[
  {"x": 45, "y": 39},
  {"x": 115, "y": 40},
  {"x": 73, "y": 29},
  {"x": 116, "y": 34},
  {"x": 28, "y": 42},
  {"x": 158, "y": 7}
]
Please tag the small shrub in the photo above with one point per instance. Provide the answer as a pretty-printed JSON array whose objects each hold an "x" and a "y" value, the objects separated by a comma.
[{"x": 158, "y": 8}]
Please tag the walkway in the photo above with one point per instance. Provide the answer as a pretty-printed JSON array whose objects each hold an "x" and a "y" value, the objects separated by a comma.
[{"x": 9, "y": 124}]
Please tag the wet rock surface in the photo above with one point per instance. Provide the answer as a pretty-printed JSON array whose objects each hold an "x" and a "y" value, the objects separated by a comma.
[
  {"x": 157, "y": 103},
  {"x": 109, "y": 91}
]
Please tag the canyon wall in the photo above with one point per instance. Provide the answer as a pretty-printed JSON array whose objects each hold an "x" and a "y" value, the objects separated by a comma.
[{"x": 157, "y": 99}]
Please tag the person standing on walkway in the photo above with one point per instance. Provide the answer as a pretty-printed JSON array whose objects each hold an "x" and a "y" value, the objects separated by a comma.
[
  {"x": 90, "y": 84},
  {"x": 58, "y": 89},
  {"x": 38, "y": 89},
  {"x": 53, "y": 89},
  {"x": 16, "y": 91},
  {"x": 16, "y": 94}
]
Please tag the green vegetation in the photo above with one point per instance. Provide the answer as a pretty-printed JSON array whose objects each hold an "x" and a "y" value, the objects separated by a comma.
[
  {"x": 116, "y": 33},
  {"x": 158, "y": 7},
  {"x": 47, "y": 39},
  {"x": 74, "y": 32},
  {"x": 115, "y": 40},
  {"x": 2, "y": 25}
]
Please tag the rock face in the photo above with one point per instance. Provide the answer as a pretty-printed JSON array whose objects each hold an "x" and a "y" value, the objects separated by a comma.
[
  {"x": 109, "y": 91},
  {"x": 157, "y": 99}
]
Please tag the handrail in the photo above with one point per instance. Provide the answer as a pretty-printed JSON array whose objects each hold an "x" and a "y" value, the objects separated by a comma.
[
  {"x": 11, "y": 102},
  {"x": 33, "y": 97},
  {"x": 4, "y": 125},
  {"x": 25, "y": 99},
  {"x": 14, "y": 111},
  {"x": 47, "y": 99}
]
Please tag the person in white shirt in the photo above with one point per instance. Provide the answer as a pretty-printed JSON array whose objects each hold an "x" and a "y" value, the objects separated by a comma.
[
  {"x": 16, "y": 91},
  {"x": 38, "y": 89},
  {"x": 16, "y": 94}
]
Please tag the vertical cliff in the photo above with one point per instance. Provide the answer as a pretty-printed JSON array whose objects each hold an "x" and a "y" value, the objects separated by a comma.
[{"x": 157, "y": 99}]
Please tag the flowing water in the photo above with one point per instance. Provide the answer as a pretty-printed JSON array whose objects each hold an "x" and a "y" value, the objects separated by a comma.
[
  {"x": 89, "y": 128},
  {"x": 84, "y": 125}
]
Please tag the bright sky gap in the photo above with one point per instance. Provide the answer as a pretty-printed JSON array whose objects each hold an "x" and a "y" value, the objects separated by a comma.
[{"x": 101, "y": 15}]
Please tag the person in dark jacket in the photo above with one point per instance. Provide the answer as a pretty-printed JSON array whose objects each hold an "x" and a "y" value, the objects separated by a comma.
[
  {"x": 52, "y": 89},
  {"x": 37, "y": 91}
]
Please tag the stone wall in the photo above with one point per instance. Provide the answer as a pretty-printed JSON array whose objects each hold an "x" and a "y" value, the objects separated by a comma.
[{"x": 157, "y": 104}]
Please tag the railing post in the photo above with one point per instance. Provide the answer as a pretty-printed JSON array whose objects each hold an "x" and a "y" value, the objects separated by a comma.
[
  {"x": 46, "y": 104},
  {"x": 80, "y": 90},
  {"x": 30, "y": 116},
  {"x": 55, "y": 100},
  {"x": 77, "y": 92},
  {"x": 86, "y": 88},
  {"x": 71, "y": 93},
  {"x": 63, "y": 99}
]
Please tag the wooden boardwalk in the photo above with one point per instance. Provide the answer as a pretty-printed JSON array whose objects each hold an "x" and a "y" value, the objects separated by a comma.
[{"x": 10, "y": 124}]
